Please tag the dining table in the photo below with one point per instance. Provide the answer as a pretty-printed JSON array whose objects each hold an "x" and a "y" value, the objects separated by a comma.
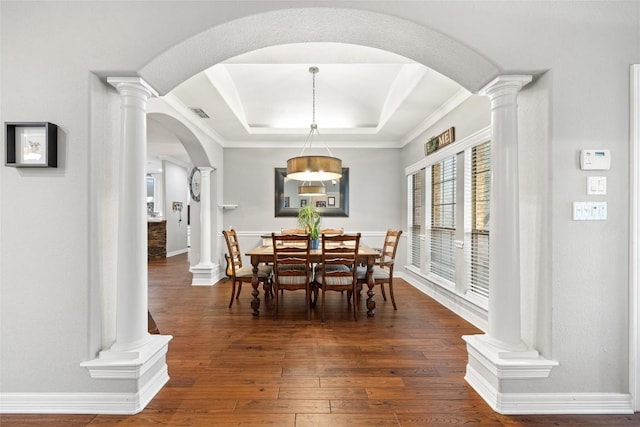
[{"x": 264, "y": 254}]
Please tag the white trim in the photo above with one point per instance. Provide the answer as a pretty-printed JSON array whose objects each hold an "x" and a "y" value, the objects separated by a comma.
[
  {"x": 259, "y": 234},
  {"x": 191, "y": 117},
  {"x": 499, "y": 364},
  {"x": 478, "y": 137},
  {"x": 204, "y": 275},
  {"x": 114, "y": 364},
  {"x": 84, "y": 403},
  {"x": 448, "y": 106},
  {"x": 454, "y": 302},
  {"x": 549, "y": 403},
  {"x": 634, "y": 248},
  {"x": 177, "y": 252}
]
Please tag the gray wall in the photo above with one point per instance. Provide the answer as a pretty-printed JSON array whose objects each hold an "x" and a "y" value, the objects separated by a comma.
[
  {"x": 375, "y": 199},
  {"x": 578, "y": 313}
]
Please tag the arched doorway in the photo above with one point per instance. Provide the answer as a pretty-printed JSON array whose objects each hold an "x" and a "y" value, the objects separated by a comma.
[
  {"x": 404, "y": 38},
  {"x": 200, "y": 157}
]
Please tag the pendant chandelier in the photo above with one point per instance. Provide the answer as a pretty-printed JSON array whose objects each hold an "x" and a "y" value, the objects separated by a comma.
[{"x": 313, "y": 168}]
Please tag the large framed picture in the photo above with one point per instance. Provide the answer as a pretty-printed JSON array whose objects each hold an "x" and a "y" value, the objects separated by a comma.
[{"x": 31, "y": 144}]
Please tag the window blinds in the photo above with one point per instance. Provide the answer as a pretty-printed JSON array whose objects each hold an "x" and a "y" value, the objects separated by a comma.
[
  {"x": 416, "y": 182},
  {"x": 480, "y": 201},
  {"x": 443, "y": 219}
]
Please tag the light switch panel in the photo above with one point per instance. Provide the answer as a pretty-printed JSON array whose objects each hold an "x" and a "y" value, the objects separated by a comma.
[
  {"x": 589, "y": 211},
  {"x": 596, "y": 185}
]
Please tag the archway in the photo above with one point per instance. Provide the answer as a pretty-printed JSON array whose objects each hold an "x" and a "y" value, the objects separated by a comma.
[
  {"x": 304, "y": 25},
  {"x": 358, "y": 27},
  {"x": 202, "y": 245},
  {"x": 404, "y": 38}
]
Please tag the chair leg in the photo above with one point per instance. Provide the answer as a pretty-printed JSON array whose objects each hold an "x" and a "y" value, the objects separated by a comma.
[
  {"x": 384, "y": 294},
  {"x": 233, "y": 293},
  {"x": 393, "y": 300},
  {"x": 239, "y": 290},
  {"x": 275, "y": 307},
  {"x": 355, "y": 304},
  {"x": 314, "y": 294},
  {"x": 266, "y": 287},
  {"x": 322, "y": 315}
]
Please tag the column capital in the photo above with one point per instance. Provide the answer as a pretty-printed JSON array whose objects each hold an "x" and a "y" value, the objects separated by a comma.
[
  {"x": 505, "y": 83},
  {"x": 121, "y": 83},
  {"x": 205, "y": 169}
]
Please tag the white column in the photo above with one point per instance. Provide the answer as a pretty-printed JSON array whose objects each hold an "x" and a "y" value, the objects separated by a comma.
[
  {"x": 204, "y": 271},
  {"x": 131, "y": 302},
  {"x": 205, "y": 216},
  {"x": 504, "y": 256},
  {"x": 501, "y": 355},
  {"x": 137, "y": 359}
]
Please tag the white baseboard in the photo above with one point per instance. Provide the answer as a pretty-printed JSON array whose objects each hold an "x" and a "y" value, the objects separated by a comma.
[
  {"x": 178, "y": 252},
  {"x": 83, "y": 403},
  {"x": 470, "y": 312},
  {"x": 549, "y": 403}
]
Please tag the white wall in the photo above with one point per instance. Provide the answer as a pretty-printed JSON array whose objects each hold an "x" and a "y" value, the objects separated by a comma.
[{"x": 580, "y": 312}]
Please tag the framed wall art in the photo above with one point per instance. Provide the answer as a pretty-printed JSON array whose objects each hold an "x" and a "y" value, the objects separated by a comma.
[{"x": 31, "y": 145}]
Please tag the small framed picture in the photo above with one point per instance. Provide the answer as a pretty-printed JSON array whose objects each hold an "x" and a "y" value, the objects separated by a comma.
[
  {"x": 321, "y": 204},
  {"x": 31, "y": 144},
  {"x": 331, "y": 201},
  {"x": 303, "y": 203}
]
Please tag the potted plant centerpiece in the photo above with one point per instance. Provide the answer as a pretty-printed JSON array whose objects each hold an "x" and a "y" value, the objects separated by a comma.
[{"x": 309, "y": 219}]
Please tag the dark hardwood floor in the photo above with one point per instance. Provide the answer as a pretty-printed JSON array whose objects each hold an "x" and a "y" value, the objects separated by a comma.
[{"x": 228, "y": 368}]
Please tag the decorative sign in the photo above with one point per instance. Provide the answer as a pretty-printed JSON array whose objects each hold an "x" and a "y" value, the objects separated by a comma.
[{"x": 437, "y": 142}]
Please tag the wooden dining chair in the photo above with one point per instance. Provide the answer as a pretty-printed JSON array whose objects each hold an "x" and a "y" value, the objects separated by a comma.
[
  {"x": 293, "y": 231},
  {"x": 241, "y": 274},
  {"x": 338, "y": 250},
  {"x": 291, "y": 267},
  {"x": 383, "y": 269},
  {"x": 332, "y": 231}
]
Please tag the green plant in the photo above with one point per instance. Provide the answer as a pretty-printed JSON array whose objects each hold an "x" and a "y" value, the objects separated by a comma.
[
  {"x": 309, "y": 219},
  {"x": 432, "y": 144}
]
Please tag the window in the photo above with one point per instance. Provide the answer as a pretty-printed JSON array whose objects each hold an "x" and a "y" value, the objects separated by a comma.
[
  {"x": 416, "y": 215},
  {"x": 480, "y": 191},
  {"x": 449, "y": 196},
  {"x": 443, "y": 219}
]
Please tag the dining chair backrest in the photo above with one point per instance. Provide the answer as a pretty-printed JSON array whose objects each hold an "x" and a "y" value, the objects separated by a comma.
[
  {"x": 233, "y": 247},
  {"x": 332, "y": 231},
  {"x": 339, "y": 250},
  {"x": 382, "y": 272},
  {"x": 390, "y": 247},
  {"x": 292, "y": 270},
  {"x": 291, "y": 231},
  {"x": 240, "y": 274},
  {"x": 291, "y": 255},
  {"x": 294, "y": 231}
]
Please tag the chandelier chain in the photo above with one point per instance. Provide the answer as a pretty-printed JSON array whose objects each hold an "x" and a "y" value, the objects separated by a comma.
[{"x": 314, "y": 97}]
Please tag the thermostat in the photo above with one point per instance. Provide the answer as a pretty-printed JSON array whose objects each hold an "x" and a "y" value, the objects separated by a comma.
[{"x": 595, "y": 159}]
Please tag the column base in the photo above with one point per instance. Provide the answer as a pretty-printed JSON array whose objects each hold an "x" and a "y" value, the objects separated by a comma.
[
  {"x": 204, "y": 274},
  {"x": 490, "y": 365},
  {"x": 143, "y": 368},
  {"x": 130, "y": 364}
]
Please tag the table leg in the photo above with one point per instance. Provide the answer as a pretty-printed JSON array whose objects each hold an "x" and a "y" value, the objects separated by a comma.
[
  {"x": 255, "y": 302},
  {"x": 371, "y": 304}
]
